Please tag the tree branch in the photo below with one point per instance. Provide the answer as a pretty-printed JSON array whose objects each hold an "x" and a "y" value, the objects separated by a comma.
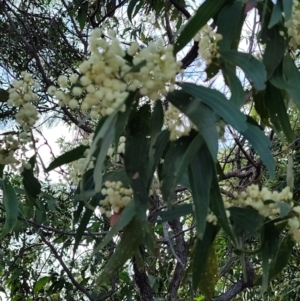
[
  {"x": 240, "y": 285},
  {"x": 65, "y": 268}
]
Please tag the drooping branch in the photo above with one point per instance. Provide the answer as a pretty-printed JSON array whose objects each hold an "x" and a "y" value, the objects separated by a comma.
[{"x": 65, "y": 268}]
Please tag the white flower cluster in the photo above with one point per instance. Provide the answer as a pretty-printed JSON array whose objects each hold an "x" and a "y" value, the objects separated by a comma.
[
  {"x": 294, "y": 224},
  {"x": 207, "y": 47},
  {"x": 178, "y": 124},
  {"x": 160, "y": 70},
  {"x": 106, "y": 77},
  {"x": 211, "y": 218},
  {"x": 256, "y": 198},
  {"x": 120, "y": 148},
  {"x": 293, "y": 25},
  {"x": 116, "y": 197},
  {"x": 21, "y": 96},
  {"x": 10, "y": 144}
]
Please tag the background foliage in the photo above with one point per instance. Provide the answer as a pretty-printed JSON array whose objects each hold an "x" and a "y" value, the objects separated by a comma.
[{"x": 183, "y": 236}]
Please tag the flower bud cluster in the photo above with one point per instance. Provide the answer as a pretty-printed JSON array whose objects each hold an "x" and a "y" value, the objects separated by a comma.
[
  {"x": 211, "y": 218},
  {"x": 293, "y": 25},
  {"x": 207, "y": 47},
  {"x": 116, "y": 197},
  {"x": 294, "y": 224},
  {"x": 106, "y": 78},
  {"x": 9, "y": 145},
  {"x": 120, "y": 148},
  {"x": 256, "y": 198},
  {"x": 158, "y": 71},
  {"x": 22, "y": 96},
  {"x": 177, "y": 126}
]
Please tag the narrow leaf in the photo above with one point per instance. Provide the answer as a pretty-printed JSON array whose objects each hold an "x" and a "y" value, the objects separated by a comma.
[
  {"x": 217, "y": 102},
  {"x": 246, "y": 219},
  {"x": 200, "y": 175},
  {"x": 278, "y": 111},
  {"x": 67, "y": 157},
  {"x": 176, "y": 161},
  {"x": 261, "y": 143},
  {"x": 40, "y": 284},
  {"x": 124, "y": 219},
  {"x": 253, "y": 68},
  {"x": 174, "y": 213},
  {"x": 11, "y": 205},
  {"x": 229, "y": 22},
  {"x": 133, "y": 236},
  {"x": 204, "y": 13},
  {"x": 201, "y": 253},
  {"x": 275, "y": 48}
]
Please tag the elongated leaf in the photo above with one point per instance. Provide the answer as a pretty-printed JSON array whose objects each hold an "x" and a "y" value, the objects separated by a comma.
[
  {"x": 67, "y": 157},
  {"x": 275, "y": 48},
  {"x": 217, "y": 206},
  {"x": 84, "y": 222},
  {"x": 237, "y": 92},
  {"x": 174, "y": 213},
  {"x": 287, "y": 8},
  {"x": 270, "y": 245},
  {"x": 217, "y": 102},
  {"x": 229, "y": 22},
  {"x": 205, "y": 12},
  {"x": 176, "y": 161},
  {"x": 200, "y": 175},
  {"x": 246, "y": 219},
  {"x": 201, "y": 115},
  {"x": 122, "y": 117},
  {"x": 155, "y": 153},
  {"x": 282, "y": 257},
  {"x": 137, "y": 4},
  {"x": 82, "y": 14},
  {"x": 136, "y": 152},
  {"x": 253, "y": 69},
  {"x": 11, "y": 205},
  {"x": 31, "y": 183},
  {"x": 201, "y": 253},
  {"x": 104, "y": 145},
  {"x": 40, "y": 284},
  {"x": 276, "y": 15},
  {"x": 3, "y": 95},
  {"x": 261, "y": 143},
  {"x": 292, "y": 76},
  {"x": 281, "y": 260},
  {"x": 156, "y": 145},
  {"x": 260, "y": 107},
  {"x": 133, "y": 236},
  {"x": 124, "y": 219},
  {"x": 278, "y": 111},
  {"x": 207, "y": 283},
  {"x": 103, "y": 137}
]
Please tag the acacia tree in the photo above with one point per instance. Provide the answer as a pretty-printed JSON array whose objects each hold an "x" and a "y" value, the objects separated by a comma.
[{"x": 152, "y": 203}]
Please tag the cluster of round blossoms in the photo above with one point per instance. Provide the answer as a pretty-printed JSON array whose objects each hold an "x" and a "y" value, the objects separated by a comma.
[
  {"x": 9, "y": 145},
  {"x": 22, "y": 96},
  {"x": 116, "y": 197},
  {"x": 120, "y": 148},
  {"x": 259, "y": 199},
  {"x": 178, "y": 124},
  {"x": 207, "y": 47},
  {"x": 108, "y": 75},
  {"x": 294, "y": 223},
  {"x": 293, "y": 25}
]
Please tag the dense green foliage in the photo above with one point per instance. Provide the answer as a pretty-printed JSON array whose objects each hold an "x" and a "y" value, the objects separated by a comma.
[{"x": 181, "y": 181}]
